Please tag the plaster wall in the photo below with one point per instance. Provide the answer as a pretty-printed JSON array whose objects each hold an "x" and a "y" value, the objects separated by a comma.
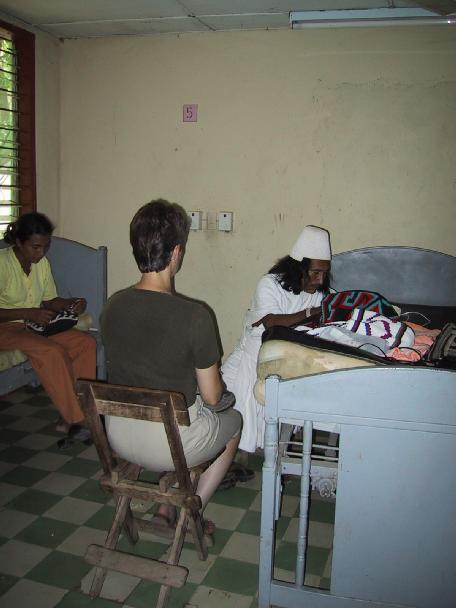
[
  {"x": 47, "y": 117},
  {"x": 351, "y": 129}
]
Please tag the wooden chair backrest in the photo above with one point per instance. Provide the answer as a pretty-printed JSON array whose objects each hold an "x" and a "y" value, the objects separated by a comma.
[{"x": 167, "y": 407}]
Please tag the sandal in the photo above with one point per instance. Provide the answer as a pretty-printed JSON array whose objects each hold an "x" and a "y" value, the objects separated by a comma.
[
  {"x": 61, "y": 426},
  {"x": 229, "y": 481},
  {"x": 241, "y": 473}
]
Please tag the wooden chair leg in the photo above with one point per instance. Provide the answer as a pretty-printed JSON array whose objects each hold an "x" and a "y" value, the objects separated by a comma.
[
  {"x": 174, "y": 555},
  {"x": 130, "y": 527},
  {"x": 122, "y": 508},
  {"x": 196, "y": 523}
]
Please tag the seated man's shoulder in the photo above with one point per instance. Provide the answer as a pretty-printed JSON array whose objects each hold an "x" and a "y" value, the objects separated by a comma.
[{"x": 194, "y": 306}]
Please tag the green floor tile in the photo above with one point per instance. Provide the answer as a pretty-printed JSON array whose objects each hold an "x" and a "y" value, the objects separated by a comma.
[
  {"x": 281, "y": 526},
  {"x": 16, "y": 454},
  {"x": 250, "y": 523},
  {"x": 24, "y": 476},
  {"x": 145, "y": 595},
  {"x": 81, "y": 467},
  {"x": 322, "y": 511},
  {"x": 50, "y": 428},
  {"x": 102, "y": 519},
  {"x": 11, "y": 436},
  {"x": 144, "y": 548},
  {"x": 61, "y": 570},
  {"x": 76, "y": 448},
  {"x": 90, "y": 490},
  {"x": 255, "y": 462},
  {"x": 325, "y": 583},
  {"x": 316, "y": 560},
  {"x": 285, "y": 556},
  {"x": 221, "y": 537},
  {"x": 232, "y": 575},
  {"x": 235, "y": 497},
  {"x": 292, "y": 487},
  {"x": 76, "y": 599},
  {"x": 46, "y": 532},
  {"x": 6, "y": 582},
  {"x": 34, "y": 501},
  {"x": 47, "y": 413}
]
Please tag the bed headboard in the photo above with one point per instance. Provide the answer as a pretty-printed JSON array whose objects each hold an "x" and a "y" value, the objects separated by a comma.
[
  {"x": 79, "y": 270},
  {"x": 401, "y": 274}
]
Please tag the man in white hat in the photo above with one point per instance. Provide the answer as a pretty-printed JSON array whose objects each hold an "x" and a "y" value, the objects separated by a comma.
[{"x": 288, "y": 295}]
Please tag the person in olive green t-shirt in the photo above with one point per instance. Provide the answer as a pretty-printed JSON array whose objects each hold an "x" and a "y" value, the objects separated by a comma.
[{"x": 156, "y": 338}]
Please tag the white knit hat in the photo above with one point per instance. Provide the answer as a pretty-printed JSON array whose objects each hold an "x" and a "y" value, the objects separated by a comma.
[{"x": 313, "y": 243}]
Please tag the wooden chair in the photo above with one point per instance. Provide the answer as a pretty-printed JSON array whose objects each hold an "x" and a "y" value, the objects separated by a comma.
[{"x": 121, "y": 479}]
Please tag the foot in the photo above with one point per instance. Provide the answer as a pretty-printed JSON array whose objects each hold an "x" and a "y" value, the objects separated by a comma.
[
  {"x": 75, "y": 433},
  {"x": 61, "y": 426},
  {"x": 79, "y": 433},
  {"x": 229, "y": 481}
]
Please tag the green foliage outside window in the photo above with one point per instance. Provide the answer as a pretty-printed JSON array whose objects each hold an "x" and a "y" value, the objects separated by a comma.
[{"x": 8, "y": 132}]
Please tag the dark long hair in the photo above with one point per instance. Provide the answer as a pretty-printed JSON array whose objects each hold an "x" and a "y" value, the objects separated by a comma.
[
  {"x": 26, "y": 226},
  {"x": 289, "y": 273},
  {"x": 155, "y": 230}
]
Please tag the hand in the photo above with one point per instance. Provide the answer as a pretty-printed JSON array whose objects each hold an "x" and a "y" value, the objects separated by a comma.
[
  {"x": 77, "y": 305},
  {"x": 40, "y": 315},
  {"x": 260, "y": 321}
]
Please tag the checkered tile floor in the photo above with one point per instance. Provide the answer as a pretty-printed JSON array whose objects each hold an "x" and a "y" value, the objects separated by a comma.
[{"x": 51, "y": 508}]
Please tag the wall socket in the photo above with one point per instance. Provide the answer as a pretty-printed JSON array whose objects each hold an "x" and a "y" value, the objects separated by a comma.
[
  {"x": 195, "y": 219},
  {"x": 225, "y": 221}
]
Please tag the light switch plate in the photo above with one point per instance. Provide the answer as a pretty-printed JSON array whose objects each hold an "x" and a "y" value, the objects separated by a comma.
[
  {"x": 195, "y": 219},
  {"x": 225, "y": 221}
]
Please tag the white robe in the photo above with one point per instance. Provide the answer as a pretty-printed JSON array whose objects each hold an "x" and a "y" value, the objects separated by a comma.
[{"x": 239, "y": 370}]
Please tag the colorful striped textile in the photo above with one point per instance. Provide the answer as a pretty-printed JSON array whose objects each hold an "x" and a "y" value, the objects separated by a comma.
[{"x": 339, "y": 306}]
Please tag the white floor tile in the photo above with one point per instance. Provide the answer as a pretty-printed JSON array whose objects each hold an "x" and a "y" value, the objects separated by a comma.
[
  {"x": 47, "y": 461},
  {"x": 73, "y": 510},
  {"x": 59, "y": 483},
  {"x": 243, "y": 547},
  {"x": 206, "y": 597},
  {"x": 77, "y": 543}
]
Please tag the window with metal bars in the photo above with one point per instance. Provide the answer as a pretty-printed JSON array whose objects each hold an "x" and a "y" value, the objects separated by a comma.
[{"x": 17, "y": 123}]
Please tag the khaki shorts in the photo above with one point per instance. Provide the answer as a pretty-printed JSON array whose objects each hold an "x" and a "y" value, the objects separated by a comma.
[{"x": 145, "y": 443}]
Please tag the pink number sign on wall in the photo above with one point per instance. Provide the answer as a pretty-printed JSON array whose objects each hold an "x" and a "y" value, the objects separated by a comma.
[{"x": 190, "y": 112}]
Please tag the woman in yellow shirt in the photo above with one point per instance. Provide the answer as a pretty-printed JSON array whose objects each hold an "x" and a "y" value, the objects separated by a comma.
[{"x": 28, "y": 292}]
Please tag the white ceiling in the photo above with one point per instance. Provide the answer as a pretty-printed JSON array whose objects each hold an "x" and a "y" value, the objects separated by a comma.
[{"x": 89, "y": 18}]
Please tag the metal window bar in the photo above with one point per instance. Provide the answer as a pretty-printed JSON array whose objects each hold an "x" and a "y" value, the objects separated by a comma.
[{"x": 9, "y": 129}]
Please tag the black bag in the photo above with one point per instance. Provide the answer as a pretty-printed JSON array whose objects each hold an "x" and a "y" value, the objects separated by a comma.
[{"x": 61, "y": 322}]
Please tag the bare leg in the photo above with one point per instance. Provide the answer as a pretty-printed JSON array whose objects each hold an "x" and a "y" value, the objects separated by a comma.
[
  {"x": 211, "y": 478},
  {"x": 213, "y": 475}
]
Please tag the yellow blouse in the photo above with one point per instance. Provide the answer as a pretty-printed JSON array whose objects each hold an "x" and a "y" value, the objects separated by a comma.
[{"x": 19, "y": 290}]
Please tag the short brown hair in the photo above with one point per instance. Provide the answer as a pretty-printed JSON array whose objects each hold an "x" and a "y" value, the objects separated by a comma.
[{"x": 155, "y": 230}]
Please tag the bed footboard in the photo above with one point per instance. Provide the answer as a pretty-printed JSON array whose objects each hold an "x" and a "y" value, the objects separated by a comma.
[{"x": 394, "y": 538}]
